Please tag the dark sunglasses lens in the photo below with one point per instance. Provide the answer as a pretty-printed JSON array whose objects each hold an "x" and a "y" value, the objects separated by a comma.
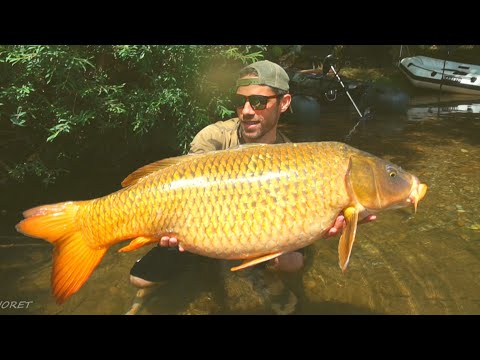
[
  {"x": 258, "y": 102},
  {"x": 238, "y": 100}
]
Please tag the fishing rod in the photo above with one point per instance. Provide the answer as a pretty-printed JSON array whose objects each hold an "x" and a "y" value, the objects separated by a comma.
[
  {"x": 328, "y": 63},
  {"x": 443, "y": 70},
  {"x": 441, "y": 83}
]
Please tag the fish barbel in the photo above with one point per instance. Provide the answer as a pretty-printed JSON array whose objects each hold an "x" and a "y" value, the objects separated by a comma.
[{"x": 253, "y": 202}]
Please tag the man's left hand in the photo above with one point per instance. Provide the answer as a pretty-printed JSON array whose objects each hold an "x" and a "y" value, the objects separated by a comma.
[{"x": 339, "y": 224}]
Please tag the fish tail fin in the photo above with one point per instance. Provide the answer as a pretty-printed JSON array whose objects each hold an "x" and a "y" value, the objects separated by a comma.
[{"x": 73, "y": 259}]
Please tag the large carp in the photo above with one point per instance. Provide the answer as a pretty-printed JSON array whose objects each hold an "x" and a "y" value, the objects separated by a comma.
[{"x": 253, "y": 202}]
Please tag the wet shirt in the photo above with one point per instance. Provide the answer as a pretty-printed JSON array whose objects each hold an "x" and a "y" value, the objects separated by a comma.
[{"x": 223, "y": 135}]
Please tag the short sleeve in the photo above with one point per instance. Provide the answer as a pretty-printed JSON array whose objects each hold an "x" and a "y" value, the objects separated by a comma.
[{"x": 207, "y": 139}]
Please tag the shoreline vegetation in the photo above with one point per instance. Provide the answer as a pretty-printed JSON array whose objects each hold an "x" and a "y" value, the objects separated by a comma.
[
  {"x": 75, "y": 119},
  {"x": 65, "y": 110},
  {"x": 378, "y": 63}
]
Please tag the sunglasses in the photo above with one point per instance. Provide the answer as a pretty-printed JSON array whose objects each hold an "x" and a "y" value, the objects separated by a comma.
[{"x": 257, "y": 102}]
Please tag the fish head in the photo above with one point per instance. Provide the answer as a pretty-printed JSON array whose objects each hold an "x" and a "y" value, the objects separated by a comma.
[{"x": 378, "y": 184}]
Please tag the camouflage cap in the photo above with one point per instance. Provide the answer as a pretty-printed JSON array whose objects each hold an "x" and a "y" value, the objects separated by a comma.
[{"x": 269, "y": 74}]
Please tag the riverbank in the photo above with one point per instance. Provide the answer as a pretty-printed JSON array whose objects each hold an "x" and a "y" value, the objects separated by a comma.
[
  {"x": 378, "y": 64},
  {"x": 386, "y": 76}
]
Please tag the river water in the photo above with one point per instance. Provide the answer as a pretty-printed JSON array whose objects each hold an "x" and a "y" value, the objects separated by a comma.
[{"x": 402, "y": 263}]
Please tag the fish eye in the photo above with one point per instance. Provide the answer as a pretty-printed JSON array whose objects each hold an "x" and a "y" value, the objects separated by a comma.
[{"x": 392, "y": 171}]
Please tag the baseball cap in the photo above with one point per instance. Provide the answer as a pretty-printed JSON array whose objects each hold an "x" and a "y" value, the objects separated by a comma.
[{"x": 269, "y": 74}]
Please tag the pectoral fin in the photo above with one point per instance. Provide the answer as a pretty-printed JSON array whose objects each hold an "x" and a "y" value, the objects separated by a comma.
[
  {"x": 251, "y": 262},
  {"x": 348, "y": 237},
  {"x": 138, "y": 243}
]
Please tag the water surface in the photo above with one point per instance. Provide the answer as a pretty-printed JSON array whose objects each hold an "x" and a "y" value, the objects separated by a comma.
[{"x": 402, "y": 263}]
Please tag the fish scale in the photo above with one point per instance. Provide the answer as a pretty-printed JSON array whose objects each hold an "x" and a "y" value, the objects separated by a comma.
[
  {"x": 214, "y": 201},
  {"x": 253, "y": 202}
]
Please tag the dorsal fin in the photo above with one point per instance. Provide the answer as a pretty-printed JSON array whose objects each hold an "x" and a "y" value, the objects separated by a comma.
[{"x": 146, "y": 170}]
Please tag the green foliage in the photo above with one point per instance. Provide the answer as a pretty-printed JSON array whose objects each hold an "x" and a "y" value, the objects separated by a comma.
[
  {"x": 22, "y": 170},
  {"x": 59, "y": 104}
]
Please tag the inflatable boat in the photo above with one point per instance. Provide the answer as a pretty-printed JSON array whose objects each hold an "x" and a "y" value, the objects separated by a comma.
[{"x": 437, "y": 74}]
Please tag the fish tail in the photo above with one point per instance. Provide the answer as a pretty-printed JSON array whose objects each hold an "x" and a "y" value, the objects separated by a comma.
[{"x": 73, "y": 259}]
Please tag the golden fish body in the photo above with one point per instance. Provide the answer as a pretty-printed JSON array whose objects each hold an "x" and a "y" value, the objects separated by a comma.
[
  {"x": 253, "y": 202},
  {"x": 231, "y": 205}
]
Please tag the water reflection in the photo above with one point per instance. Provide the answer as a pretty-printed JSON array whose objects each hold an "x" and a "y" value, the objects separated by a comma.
[
  {"x": 403, "y": 263},
  {"x": 420, "y": 113},
  {"x": 427, "y": 263}
]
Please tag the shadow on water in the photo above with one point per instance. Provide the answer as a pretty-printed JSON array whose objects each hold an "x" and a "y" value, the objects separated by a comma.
[{"x": 402, "y": 263}]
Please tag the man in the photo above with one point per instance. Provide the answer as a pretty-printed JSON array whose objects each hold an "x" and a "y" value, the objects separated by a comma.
[{"x": 261, "y": 97}]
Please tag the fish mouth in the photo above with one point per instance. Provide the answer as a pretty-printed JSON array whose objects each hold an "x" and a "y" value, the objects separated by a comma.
[{"x": 418, "y": 192}]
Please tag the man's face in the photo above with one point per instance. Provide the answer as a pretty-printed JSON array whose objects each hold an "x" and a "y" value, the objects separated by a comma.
[{"x": 261, "y": 125}]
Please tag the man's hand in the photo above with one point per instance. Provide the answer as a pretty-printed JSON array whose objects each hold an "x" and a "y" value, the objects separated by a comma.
[
  {"x": 339, "y": 224},
  {"x": 167, "y": 241},
  {"x": 336, "y": 229}
]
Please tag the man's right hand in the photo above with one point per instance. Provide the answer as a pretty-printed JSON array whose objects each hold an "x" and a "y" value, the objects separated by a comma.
[{"x": 167, "y": 241}]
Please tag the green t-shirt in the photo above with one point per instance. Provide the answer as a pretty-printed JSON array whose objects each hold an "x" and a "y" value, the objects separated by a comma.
[{"x": 223, "y": 135}]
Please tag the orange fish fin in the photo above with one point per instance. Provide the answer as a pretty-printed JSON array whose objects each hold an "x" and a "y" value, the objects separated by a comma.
[
  {"x": 73, "y": 263},
  {"x": 146, "y": 170},
  {"x": 138, "y": 243},
  {"x": 73, "y": 259},
  {"x": 251, "y": 262},
  {"x": 348, "y": 237},
  {"x": 47, "y": 221}
]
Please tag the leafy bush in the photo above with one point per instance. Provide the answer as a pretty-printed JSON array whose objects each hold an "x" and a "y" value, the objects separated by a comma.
[{"x": 62, "y": 107}]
